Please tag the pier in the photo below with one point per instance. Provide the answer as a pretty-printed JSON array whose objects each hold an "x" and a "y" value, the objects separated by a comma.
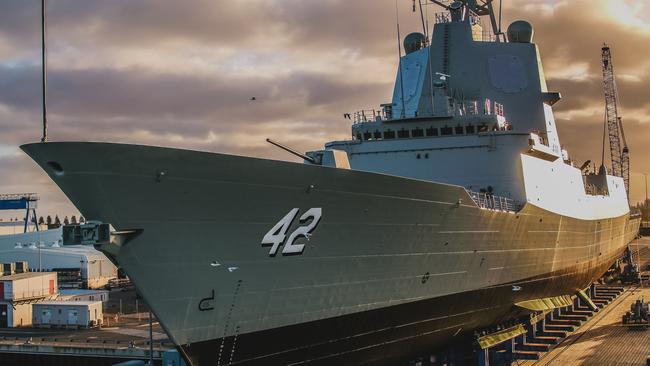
[
  {"x": 603, "y": 340},
  {"x": 27, "y": 346}
]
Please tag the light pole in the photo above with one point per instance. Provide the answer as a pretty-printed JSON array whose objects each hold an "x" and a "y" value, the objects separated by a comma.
[
  {"x": 150, "y": 338},
  {"x": 40, "y": 245},
  {"x": 646, "y": 187}
]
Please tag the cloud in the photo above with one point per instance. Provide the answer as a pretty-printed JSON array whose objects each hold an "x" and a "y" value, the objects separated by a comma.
[
  {"x": 128, "y": 100},
  {"x": 181, "y": 74}
]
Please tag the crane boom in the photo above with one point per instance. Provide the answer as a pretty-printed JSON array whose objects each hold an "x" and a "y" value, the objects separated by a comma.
[{"x": 619, "y": 152}]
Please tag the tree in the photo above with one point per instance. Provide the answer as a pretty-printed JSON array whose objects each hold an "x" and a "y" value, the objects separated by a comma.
[
  {"x": 73, "y": 219},
  {"x": 57, "y": 221},
  {"x": 41, "y": 221},
  {"x": 66, "y": 221},
  {"x": 82, "y": 219},
  {"x": 48, "y": 220}
]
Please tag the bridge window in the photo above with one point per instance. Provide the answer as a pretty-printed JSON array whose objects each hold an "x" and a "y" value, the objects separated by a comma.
[
  {"x": 458, "y": 130},
  {"x": 431, "y": 131},
  {"x": 388, "y": 134},
  {"x": 469, "y": 129},
  {"x": 418, "y": 132},
  {"x": 377, "y": 135},
  {"x": 367, "y": 135},
  {"x": 483, "y": 128},
  {"x": 403, "y": 134},
  {"x": 446, "y": 131},
  {"x": 358, "y": 136}
]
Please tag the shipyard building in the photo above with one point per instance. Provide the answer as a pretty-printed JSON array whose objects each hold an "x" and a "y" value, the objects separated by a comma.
[
  {"x": 19, "y": 291},
  {"x": 67, "y": 314},
  {"x": 83, "y": 295},
  {"x": 78, "y": 266}
]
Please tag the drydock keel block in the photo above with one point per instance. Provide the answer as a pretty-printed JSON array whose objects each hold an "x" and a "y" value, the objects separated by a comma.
[
  {"x": 499, "y": 337},
  {"x": 548, "y": 303},
  {"x": 583, "y": 296}
]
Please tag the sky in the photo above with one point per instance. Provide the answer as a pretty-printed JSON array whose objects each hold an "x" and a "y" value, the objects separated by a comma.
[{"x": 181, "y": 74}]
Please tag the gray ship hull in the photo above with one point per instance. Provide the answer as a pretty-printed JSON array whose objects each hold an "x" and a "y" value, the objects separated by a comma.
[{"x": 395, "y": 266}]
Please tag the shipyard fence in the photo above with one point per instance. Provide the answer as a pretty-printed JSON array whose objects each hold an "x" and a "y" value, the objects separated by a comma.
[
  {"x": 492, "y": 202},
  {"x": 109, "y": 343}
]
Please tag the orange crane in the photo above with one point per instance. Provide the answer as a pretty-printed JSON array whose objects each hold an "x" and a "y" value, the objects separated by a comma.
[{"x": 619, "y": 152}]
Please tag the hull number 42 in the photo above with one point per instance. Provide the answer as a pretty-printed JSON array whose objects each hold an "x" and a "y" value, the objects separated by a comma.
[{"x": 275, "y": 237}]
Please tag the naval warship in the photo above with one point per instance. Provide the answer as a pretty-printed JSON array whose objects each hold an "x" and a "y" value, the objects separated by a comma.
[{"x": 451, "y": 208}]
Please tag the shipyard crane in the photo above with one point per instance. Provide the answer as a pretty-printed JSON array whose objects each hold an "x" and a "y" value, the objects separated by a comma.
[
  {"x": 21, "y": 201},
  {"x": 619, "y": 152}
]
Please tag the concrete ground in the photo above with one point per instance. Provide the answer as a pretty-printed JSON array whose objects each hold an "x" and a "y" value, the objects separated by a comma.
[
  {"x": 120, "y": 328},
  {"x": 97, "y": 337}
]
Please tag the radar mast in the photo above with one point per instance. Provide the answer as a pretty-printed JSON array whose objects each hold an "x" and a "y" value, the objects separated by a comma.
[{"x": 478, "y": 7}]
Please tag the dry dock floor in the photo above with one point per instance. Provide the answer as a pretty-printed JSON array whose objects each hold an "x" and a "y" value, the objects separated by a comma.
[{"x": 603, "y": 340}]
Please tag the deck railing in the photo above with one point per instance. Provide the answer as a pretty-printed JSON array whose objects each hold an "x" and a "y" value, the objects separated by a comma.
[
  {"x": 369, "y": 115},
  {"x": 492, "y": 202},
  {"x": 30, "y": 294},
  {"x": 442, "y": 17}
]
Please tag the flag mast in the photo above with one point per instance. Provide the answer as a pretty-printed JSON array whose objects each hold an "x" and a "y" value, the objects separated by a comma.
[{"x": 43, "y": 71}]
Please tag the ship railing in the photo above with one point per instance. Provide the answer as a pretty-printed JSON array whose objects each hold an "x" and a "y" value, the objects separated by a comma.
[
  {"x": 479, "y": 107},
  {"x": 492, "y": 202},
  {"x": 369, "y": 115},
  {"x": 488, "y": 36},
  {"x": 443, "y": 17},
  {"x": 591, "y": 189}
]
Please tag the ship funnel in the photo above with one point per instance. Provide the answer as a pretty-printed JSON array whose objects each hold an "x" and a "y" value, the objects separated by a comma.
[
  {"x": 520, "y": 31},
  {"x": 414, "y": 42}
]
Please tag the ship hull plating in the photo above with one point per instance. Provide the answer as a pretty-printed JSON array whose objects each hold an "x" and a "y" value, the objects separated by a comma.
[
  {"x": 394, "y": 267},
  {"x": 384, "y": 336}
]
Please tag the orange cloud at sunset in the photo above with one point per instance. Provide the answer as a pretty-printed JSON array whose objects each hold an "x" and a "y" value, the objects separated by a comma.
[{"x": 181, "y": 74}]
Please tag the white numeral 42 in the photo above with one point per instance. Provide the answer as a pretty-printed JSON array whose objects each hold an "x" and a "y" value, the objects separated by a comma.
[{"x": 276, "y": 235}]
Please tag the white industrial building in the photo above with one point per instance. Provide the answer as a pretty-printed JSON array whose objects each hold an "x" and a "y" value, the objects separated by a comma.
[
  {"x": 19, "y": 291},
  {"x": 10, "y": 235},
  {"x": 43, "y": 251},
  {"x": 67, "y": 314},
  {"x": 17, "y": 227},
  {"x": 83, "y": 295}
]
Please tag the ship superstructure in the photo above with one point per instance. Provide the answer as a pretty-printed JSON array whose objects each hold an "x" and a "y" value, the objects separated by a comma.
[
  {"x": 475, "y": 111},
  {"x": 450, "y": 209}
]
